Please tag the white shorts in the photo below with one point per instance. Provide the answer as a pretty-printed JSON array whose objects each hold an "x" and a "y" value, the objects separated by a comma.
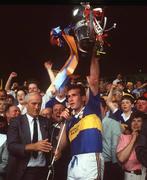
[{"x": 85, "y": 167}]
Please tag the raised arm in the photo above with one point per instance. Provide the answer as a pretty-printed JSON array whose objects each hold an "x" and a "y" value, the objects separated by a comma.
[
  {"x": 50, "y": 92},
  {"x": 51, "y": 89},
  {"x": 93, "y": 78},
  {"x": 48, "y": 66},
  {"x": 124, "y": 154},
  {"x": 109, "y": 101},
  {"x": 8, "y": 83}
]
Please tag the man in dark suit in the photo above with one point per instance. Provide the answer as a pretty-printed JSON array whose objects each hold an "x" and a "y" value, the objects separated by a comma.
[{"x": 28, "y": 143}]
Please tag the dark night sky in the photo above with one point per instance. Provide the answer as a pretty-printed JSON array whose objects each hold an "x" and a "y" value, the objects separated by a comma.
[{"x": 24, "y": 39}]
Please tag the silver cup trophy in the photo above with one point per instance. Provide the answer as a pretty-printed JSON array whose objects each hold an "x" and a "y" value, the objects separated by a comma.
[{"x": 90, "y": 28}]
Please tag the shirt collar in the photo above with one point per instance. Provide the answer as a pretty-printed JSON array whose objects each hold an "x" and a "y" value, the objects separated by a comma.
[
  {"x": 60, "y": 100},
  {"x": 30, "y": 118},
  {"x": 125, "y": 117},
  {"x": 80, "y": 113}
]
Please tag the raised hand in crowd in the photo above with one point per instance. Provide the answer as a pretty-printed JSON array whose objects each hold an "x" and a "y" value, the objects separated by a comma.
[
  {"x": 48, "y": 65},
  {"x": 13, "y": 74},
  {"x": 9, "y": 81}
]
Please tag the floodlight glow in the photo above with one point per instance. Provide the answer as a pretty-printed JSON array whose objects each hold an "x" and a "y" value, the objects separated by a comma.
[{"x": 75, "y": 12}]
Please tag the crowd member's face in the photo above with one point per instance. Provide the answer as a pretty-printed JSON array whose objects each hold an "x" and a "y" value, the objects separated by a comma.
[
  {"x": 20, "y": 96},
  {"x": 118, "y": 95},
  {"x": 119, "y": 76},
  {"x": 138, "y": 84},
  {"x": 14, "y": 85},
  {"x": 130, "y": 86},
  {"x": 141, "y": 105},
  {"x": 57, "y": 110},
  {"x": 10, "y": 100},
  {"x": 126, "y": 105},
  {"x": 136, "y": 124},
  {"x": 25, "y": 83},
  {"x": 108, "y": 86},
  {"x": 33, "y": 88},
  {"x": 3, "y": 95},
  {"x": 75, "y": 100},
  {"x": 34, "y": 105},
  {"x": 2, "y": 106},
  {"x": 47, "y": 112},
  {"x": 13, "y": 112},
  {"x": 120, "y": 86}
]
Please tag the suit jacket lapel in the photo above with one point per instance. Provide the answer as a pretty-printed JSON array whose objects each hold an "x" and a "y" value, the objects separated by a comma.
[{"x": 26, "y": 129}]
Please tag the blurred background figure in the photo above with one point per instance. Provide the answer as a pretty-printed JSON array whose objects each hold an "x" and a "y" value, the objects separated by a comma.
[
  {"x": 60, "y": 166},
  {"x": 118, "y": 79},
  {"x": 47, "y": 112},
  {"x": 111, "y": 133},
  {"x": 133, "y": 169},
  {"x": 20, "y": 96},
  {"x": 141, "y": 104}
]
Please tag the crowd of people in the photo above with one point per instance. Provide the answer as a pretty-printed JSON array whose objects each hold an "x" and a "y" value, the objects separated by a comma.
[{"x": 100, "y": 128}]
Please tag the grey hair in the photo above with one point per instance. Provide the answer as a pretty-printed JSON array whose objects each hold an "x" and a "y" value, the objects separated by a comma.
[{"x": 29, "y": 95}]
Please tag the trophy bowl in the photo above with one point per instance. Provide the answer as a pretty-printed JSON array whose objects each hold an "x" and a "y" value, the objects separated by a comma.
[{"x": 85, "y": 39}]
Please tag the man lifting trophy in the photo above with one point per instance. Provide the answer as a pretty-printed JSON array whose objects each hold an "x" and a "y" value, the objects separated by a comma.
[{"x": 82, "y": 127}]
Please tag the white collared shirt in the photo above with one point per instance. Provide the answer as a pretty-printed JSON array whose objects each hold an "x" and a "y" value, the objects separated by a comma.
[
  {"x": 40, "y": 160},
  {"x": 125, "y": 117}
]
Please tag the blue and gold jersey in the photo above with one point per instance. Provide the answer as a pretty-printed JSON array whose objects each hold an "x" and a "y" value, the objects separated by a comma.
[{"x": 84, "y": 132}]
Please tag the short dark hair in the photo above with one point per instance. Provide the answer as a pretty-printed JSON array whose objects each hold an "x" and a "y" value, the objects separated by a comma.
[
  {"x": 33, "y": 81},
  {"x": 21, "y": 89},
  {"x": 8, "y": 107},
  {"x": 135, "y": 114},
  {"x": 142, "y": 98},
  {"x": 128, "y": 97},
  {"x": 57, "y": 103},
  {"x": 11, "y": 96},
  {"x": 77, "y": 86}
]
